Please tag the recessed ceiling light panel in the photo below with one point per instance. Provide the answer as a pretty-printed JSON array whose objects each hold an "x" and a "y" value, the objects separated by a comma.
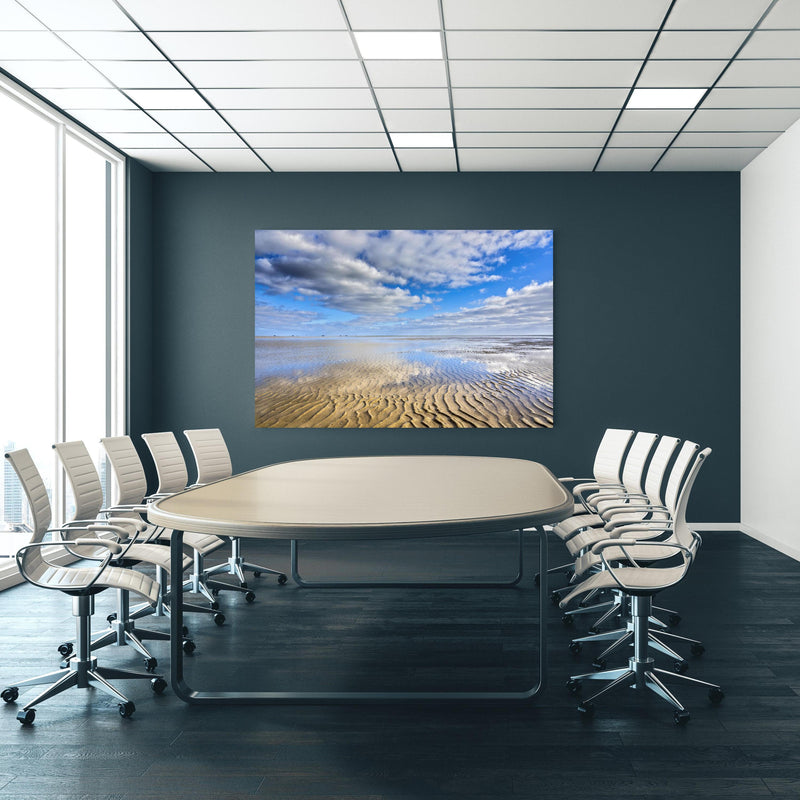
[
  {"x": 665, "y": 98},
  {"x": 422, "y": 139},
  {"x": 419, "y": 45}
]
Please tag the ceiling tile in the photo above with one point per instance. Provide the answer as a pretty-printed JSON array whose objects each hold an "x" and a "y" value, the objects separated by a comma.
[
  {"x": 743, "y": 119},
  {"x": 499, "y": 97},
  {"x": 518, "y": 44},
  {"x": 213, "y": 15},
  {"x": 544, "y": 159},
  {"x": 142, "y": 74},
  {"x": 642, "y": 139},
  {"x": 653, "y": 119},
  {"x": 86, "y": 15},
  {"x": 321, "y": 120},
  {"x": 698, "y": 44},
  {"x": 232, "y": 160},
  {"x": 332, "y": 160},
  {"x": 701, "y": 159},
  {"x": 772, "y": 44},
  {"x": 780, "y": 72},
  {"x": 273, "y": 74},
  {"x": 534, "y": 120},
  {"x": 112, "y": 45},
  {"x": 678, "y": 74},
  {"x": 290, "y": 98},
  {"x": 586, "y": 74},
  {"x": 727, "y": 138},
  {"x": 243, "y": 45},
  {"x": 716, "y": 14},
  {"x": 228, "y": 140},
  {"x": 33, "y": 45},
  {"x": 56, "y": 74},
  {"x": 16, "y": 18},
  {"x": 545, "y": 14},
  {"x": 629, "y": 159},
  {"x": 117, "y": 121},
  {"x": 168, "y": 160},
  {"x": 532, "y": 139},
  {"x": 167, "y": 98},
  {"x": 380, "y": 15},
  {"x": 756, "y": 97},
  {"x": 318, "y": 141},
  {"x": 406, "y": 73},
  {"x": 88, "y": 98},
  {"x": 185, "y": 120},
  {"x": 783, "y": 15},
  {"x": 413, "y": 98},
  {"x": 426, "y": 119},
  {"x": 421, "y": 159},
  {"x": 160, "y": 141}
]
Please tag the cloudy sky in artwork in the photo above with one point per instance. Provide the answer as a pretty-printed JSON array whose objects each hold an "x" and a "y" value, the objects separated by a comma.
[{"x": 403, "y": 282}]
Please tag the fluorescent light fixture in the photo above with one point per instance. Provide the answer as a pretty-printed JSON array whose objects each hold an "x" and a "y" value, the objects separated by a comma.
[
  {"x": 400, "y": 140},
  {"x": 393, "y": 45},
  {"x": 665, "y": 98}
]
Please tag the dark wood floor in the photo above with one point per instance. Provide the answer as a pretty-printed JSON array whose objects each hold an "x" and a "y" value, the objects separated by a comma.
[{"x": 741, "y": 598}]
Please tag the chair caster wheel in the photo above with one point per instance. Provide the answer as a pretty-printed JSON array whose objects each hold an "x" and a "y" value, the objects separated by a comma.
[
  {"x": 219, "y": 619},
  {"x": 587, "y": 709},
  {"x": 573, "y": 686},
  {"x": 568, "y": 620},
  {"x": 10, "y": 694},
  {"x": 575, "y": 648},
  {"x": 250, "y": 596},
  {"x": 681, "y": 717},
  {"x": 150, "y": 664},
  {"x": 126, "y": 709},
  {"x": 674, "y": 619},
  {"x": 111, "y": 618},
  {"x": 65, "y": 649},
  {"x": 598, "y": 664},
  {"x": 716, "y": 695},
  {"x": 158, "y": 685},
  {"x": 189, "y": 646},
  {"x": 681, "y": 667},
  {"x": 214, "y": 606},
  {"x": 282, "y": 580},
  {"x": 26, "y": 717},
  {"x": 698, "y": 649},
  {"x": 256, "y": 573}
]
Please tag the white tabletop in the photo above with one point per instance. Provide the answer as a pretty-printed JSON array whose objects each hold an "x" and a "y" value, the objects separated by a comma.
[{"x": 378, "y": 497}]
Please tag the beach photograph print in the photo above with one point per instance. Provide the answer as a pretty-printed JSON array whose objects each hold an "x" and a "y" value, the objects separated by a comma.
[{"x": 404, "y": 328}]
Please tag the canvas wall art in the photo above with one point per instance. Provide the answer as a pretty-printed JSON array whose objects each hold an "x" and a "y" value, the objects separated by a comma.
[{"x": 404, "y": 328}]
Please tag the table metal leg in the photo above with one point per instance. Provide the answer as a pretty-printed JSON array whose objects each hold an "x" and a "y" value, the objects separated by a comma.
[
  {"x": 197, "y": 697},
  {"x": 324, "y": 584}
]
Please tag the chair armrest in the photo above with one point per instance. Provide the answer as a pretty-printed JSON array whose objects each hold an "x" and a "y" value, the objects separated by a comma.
[{"x": 83, "y": 541}]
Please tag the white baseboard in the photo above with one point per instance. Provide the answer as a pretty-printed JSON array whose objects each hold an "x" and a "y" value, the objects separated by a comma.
[
  {"x": 734, "y": 527},
  {"x": 787, "y": 549}
]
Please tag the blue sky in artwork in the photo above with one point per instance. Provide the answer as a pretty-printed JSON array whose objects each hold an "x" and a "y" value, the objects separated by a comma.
[{"x": 403, "y": 282}]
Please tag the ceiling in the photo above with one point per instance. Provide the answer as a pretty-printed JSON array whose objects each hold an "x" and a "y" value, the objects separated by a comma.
[{"x": 282, "y": 85}]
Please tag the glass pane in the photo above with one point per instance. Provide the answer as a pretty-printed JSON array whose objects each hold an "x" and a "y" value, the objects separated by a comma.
[
  {"x": 86, "y": 306},
  {"x": 28, "y": 289}
]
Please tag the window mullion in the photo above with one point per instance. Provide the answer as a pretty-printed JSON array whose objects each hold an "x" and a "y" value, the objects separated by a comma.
[{"x": 59, "y": 485}]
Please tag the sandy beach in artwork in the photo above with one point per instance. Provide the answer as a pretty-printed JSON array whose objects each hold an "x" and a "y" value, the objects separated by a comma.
[{"x": 404, "y": 382}]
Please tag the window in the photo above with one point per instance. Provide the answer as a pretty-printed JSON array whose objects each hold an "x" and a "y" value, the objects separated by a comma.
[{"x": 62, "y": 344}]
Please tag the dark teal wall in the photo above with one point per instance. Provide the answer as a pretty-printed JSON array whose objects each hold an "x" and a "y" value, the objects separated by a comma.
[{"x": 646, "y": 307}]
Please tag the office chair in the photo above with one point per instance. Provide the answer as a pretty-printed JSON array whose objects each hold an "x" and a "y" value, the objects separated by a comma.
[
  {"x": 641, "y": 584},
  {"x": 82, "y": 583},
  {"x": 213, "y": 463},
  {"x": 130, "y": 499}
]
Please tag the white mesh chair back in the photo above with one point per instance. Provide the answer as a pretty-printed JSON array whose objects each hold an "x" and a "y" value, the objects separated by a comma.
[
  {"x": 130, "y": 482},
  {"x": 686, "y": 456},
  {"x": 683, "y": 535},
  {"x": 83, "y": 479},
  {"x": 633, "y": 472},
  {"x": 34, "y": 489},
  {"x": 210, "y": 454},
  {"x": 657, "y": 468},
  {"x": 610, "y": 452},
  {"x": 168, "y": 459}
]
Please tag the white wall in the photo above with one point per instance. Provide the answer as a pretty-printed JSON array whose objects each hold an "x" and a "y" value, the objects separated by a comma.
[{"x": 770, "y": 192}]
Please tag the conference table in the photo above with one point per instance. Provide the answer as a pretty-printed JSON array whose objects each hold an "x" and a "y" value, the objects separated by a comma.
[{"x": 363, "y": 498}]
